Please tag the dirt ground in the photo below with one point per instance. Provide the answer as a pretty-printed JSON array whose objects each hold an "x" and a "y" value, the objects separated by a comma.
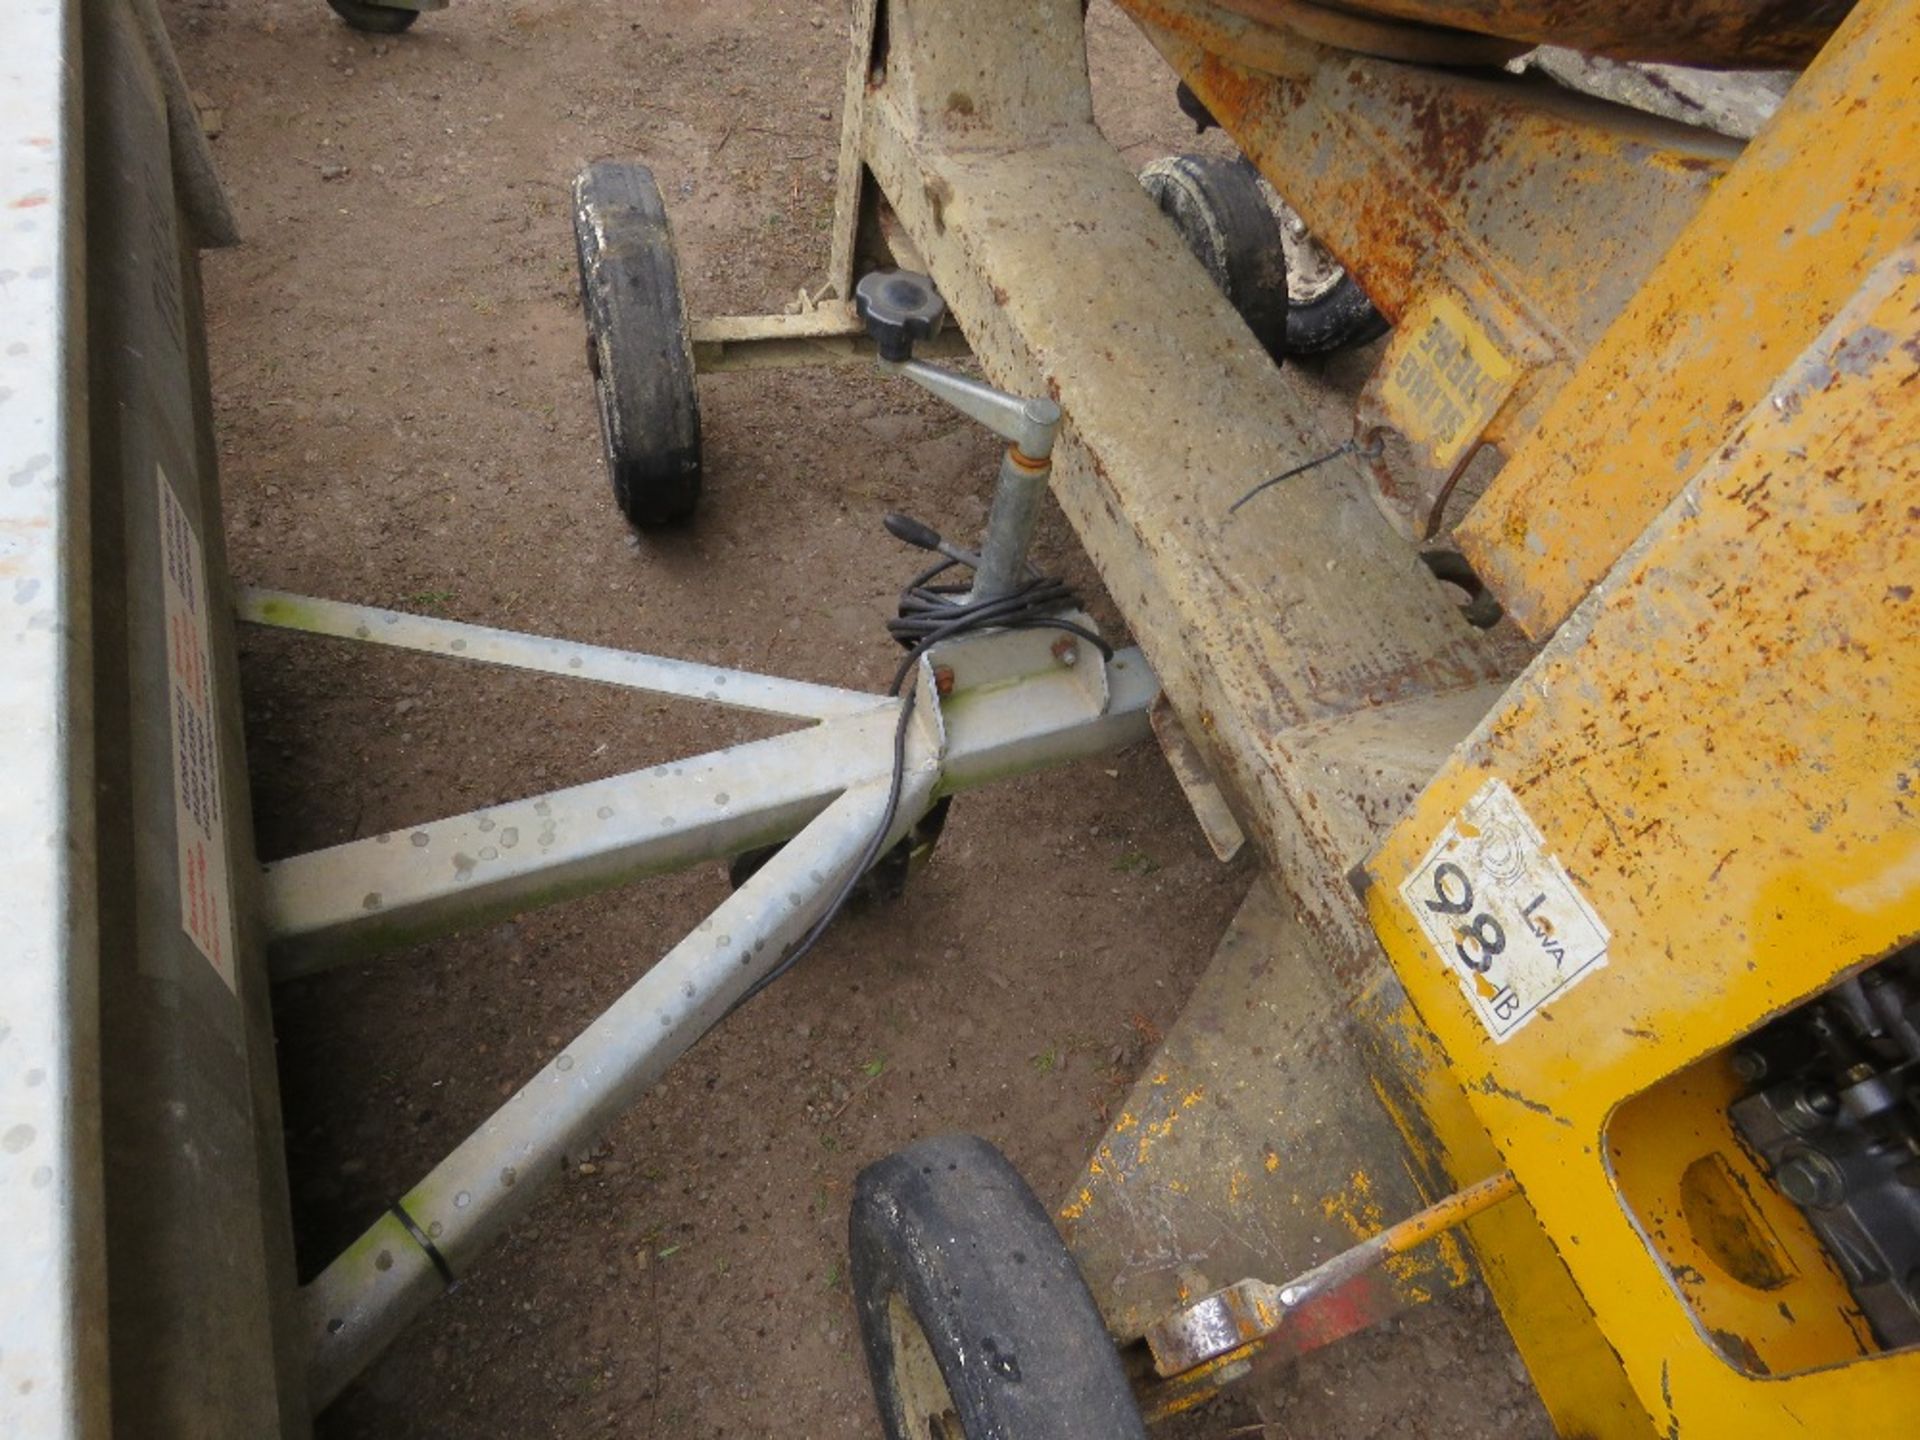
[{"x": 405, "y": 419}]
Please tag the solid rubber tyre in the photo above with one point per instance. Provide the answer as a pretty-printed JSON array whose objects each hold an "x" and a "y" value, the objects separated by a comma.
[
  {"x": 372, "y": 18},
  {"x": 971, "y": 1309},
  {"x": 1326, "y": 308},
  {"x": 1340, "y": 319},
  {"x": 639, "y": 349},
  {"x": 1220, "y": 211}
]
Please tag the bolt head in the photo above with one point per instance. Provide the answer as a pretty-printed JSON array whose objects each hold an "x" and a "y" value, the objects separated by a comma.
[
  {"x": 1067, "y": 651},
  {"x": 943, "y": 680},
  {"x": 1810, "y": 1179}
]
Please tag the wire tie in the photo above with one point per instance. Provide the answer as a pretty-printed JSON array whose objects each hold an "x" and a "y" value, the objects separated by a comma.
[{"x": 1351, "y": 447}]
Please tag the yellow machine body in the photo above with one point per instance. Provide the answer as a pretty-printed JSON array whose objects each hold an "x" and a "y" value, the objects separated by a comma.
[
  {"x": 1698, "y": 361},
  {"x": 1703, "y": 372},
  {"x": 1720, "y": 753}
]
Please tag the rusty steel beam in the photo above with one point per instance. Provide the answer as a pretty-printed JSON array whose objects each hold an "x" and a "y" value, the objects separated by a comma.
[
  {"x": 1269, "y": 628},
  {"x": 1749, "y": 34},
  {"x": 828, "y": 334},
  {"x": 1503, "y": 221}
]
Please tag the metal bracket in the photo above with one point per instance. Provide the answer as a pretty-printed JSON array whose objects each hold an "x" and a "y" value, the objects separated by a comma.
[{"x": 828, "y": 333}]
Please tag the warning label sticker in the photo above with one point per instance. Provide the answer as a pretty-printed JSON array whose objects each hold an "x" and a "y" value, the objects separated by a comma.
[
  {"x": 206, "y": 907},
  {"x": 1447, "y": 380},
  {"x": 1502, "y": 913}
]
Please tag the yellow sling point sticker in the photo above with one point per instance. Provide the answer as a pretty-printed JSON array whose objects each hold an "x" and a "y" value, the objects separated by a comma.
[{"x": 1446, "y": 379}]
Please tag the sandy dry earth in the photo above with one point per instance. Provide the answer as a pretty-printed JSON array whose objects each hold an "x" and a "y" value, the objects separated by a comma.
[{"x": 405, "y": 420}]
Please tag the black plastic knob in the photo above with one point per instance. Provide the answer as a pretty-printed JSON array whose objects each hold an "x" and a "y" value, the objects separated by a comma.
[{"x": 898, "y": 308}]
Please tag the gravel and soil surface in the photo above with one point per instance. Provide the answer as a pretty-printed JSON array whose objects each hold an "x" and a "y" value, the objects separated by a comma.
[{"x": 405, "y": 420}]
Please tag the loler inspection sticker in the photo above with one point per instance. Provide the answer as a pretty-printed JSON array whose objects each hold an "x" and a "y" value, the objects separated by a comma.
[
  {"x": 206, "y": 905},
  {"x": 1502, "y": 913}
]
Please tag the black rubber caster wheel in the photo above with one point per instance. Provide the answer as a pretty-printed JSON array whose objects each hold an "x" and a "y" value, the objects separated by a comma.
[
  {"x": 638, "y": 346},
  {"x": 374, "y": 19},
  {"x": 1254, "y": 245},
  {"x": 1327, "y": 311},
  {"x": 1221, "y": 211},
  {"x": 975, "y": 1320}
]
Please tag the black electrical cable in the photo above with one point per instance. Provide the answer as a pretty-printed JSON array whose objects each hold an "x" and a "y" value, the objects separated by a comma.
[
  {"x": 929, "y": 614},
  {"x": 1350, "y": 447}
]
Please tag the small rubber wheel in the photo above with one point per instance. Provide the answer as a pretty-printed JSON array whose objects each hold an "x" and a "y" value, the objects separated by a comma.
[
  {"x": 638, "y": 346},
  {"x": 1221, "y": 211},
  {"x": 1327, "y": 311},
  {"x": 374, "y": 19},
  {"x": 975, "y": 1319}
]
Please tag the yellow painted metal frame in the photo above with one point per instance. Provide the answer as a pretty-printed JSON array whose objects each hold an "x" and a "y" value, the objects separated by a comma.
[
  {"x": 1493, "y": 204},
  {"x": 1323, "y": 678},
  {"x": 1723, "y": 748},
  {"x": 1824, "y": 193}
]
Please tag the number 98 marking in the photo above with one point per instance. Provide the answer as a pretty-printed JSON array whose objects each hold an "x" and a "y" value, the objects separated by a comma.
[{"x": 1453, "y": 895}]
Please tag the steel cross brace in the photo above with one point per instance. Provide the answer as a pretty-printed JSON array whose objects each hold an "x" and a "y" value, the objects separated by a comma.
[{"x": 987, "y": 707}]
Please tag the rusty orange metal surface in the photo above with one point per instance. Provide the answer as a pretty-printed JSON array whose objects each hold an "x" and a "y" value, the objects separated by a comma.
[
  {"x": 1716, "y": 759},
  {"x": 1382, "y": 36},
  {"x": 1829, "y": 189},
  {"x": 1446, "y": 1213},
  {"x": 1753, "y": 34},
  {"x": 1532, "y": 213}
]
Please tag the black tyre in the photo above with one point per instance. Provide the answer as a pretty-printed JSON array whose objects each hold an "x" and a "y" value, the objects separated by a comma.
[
  {"x": 1326, "y": 310},
  {"x": 374, "y": 19},
  {"x": 975, "y": 1319},
  {"x": 1340, "y": 319},
  {"x": 638, "y": 347},
  {"x": 1221, "y": 211}
]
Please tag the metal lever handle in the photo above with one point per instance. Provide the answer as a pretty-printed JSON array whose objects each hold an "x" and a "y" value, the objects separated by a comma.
[{"x": 897, "y": 307}]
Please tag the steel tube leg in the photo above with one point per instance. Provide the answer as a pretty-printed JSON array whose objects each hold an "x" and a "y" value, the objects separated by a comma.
[
  {"x": 380, "y": 1282},
  {"x": 1024, "y": 472},
  {"x": 1032, "y": 424},
  {"x": 1016, "y": 508}
]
